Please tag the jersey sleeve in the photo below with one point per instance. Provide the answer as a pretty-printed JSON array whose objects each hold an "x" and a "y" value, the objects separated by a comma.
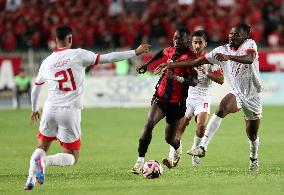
[
  {"x": 168, "y": 51},
  {"x": 215, "y": 69},
  {"x": 88, "y": 57},
  {"x": 210, "y": 57},
  {"x": 41, "y": 76},
  {"x": 250, "y": 46}
]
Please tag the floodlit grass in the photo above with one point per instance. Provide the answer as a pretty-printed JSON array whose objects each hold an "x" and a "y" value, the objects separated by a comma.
[{"x": 109, "y": 150}]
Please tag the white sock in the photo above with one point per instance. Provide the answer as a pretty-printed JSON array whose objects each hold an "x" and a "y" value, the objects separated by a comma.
[
  {"x": 60, "y": 159},
  {"x": 172, "y": 152},
  {"x": 38, "y": 152},
  {"x": 196, "y": 142},
  {"x": 140, "y": 159},
  {"x": 254, "y": 148},
  {"x": 211, "y": 129}
]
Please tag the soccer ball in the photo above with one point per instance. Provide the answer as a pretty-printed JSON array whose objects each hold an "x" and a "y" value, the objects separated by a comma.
[{"x": 152, "y": 169}]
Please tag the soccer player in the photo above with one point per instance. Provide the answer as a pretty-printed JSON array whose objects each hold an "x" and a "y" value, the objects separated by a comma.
[
  {"x": 239, "y": 61},
  {"x": 169, "y": 98},
  {"x": 64, "y": 72},
  {"x": 198, "y": 101}
]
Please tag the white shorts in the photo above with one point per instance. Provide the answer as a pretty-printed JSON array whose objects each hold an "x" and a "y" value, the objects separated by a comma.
[
  {"x": 62, "y": 123},
  {"x": 252, "y": 107},
  {"x": 195, "y": 106}
]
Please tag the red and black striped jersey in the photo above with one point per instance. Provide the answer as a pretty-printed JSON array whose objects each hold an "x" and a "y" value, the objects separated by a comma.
[{"x": 169, "y": 90}]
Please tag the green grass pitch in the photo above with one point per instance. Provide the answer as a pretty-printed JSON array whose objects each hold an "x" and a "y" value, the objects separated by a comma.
[{"x": 109, "y": 150}]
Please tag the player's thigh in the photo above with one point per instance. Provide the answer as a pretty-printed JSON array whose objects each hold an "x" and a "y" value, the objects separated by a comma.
[
  {"x": 69, "y": 127},
  {"x": 228, "y": 105},
  {"x": 156, "y": 112},
  {"x": 202, "y": 118}
]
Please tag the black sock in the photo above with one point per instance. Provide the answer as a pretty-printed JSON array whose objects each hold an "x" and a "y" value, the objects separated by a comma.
[{"x": 143, "y": 147}]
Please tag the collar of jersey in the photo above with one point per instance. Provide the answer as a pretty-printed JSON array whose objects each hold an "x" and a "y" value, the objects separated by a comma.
[{"x": 60, "y": 49}]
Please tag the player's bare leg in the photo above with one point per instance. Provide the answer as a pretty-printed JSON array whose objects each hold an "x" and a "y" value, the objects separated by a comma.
[
  {"x": 180, "y": 130},
  {"x": 182, "y": 126},
  {"x": 200, "y": 129},
  {"x": 227, "y": 105},
  {"x": 174, "y": 141},
  {"x": 154, "y": 116},
  {"x": 252, "y": 127}
]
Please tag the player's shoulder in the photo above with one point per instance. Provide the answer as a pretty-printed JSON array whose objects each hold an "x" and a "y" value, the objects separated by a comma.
[
  {"x": 221, "y": 48},
  {"x": 169, "y": 50},
  {"x": 249, "y": 42}
]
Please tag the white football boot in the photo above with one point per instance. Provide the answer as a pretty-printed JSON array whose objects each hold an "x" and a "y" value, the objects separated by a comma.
[
  {"x": 177, "y": 155},
  {"x": 137, "y": 168},
  {"x": 30, "y": 183},
  {"x": 253, "y": 165},
  {"x": 199, "y": 151},
  {"x": 195, "y": 161}
]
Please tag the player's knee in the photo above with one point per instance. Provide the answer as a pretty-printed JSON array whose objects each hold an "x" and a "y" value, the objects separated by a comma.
[
  {"x": 252, "y": 137},
  {"x": 221, "y": 112}
]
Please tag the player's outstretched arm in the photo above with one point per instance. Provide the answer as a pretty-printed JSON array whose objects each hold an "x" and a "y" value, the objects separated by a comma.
[
  {"x": 192, "y": 63},
  {"x": 35, "y": 115},
  {"x": 143, "y": 68},
  {"x": 124, "y": 55},
  {"x": 245, "y": 59}
]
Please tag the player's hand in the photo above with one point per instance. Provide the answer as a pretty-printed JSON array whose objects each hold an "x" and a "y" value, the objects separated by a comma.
[
  {"x": 35, "y": 116},
  {"x": 221, "y": 57},
  {"x": 141, "y": 69},
  {"x": 161, "y": 68},
  {"x": 143, "y": 48},
  {"x": 171, "y": 75}
]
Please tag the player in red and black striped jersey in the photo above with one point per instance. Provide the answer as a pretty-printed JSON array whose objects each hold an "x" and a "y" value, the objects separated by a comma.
[{"x": 170, "y": 95}]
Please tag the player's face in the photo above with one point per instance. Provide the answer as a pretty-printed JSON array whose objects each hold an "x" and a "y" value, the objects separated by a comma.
[
  {"x": 198, "y": 44},
  {"x": 181, "y": 40},
  {"x": 236, "y": 37}
]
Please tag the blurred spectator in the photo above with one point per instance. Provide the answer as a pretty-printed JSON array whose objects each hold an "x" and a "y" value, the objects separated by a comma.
[
  {"x": 275, "y": 38},
  {"x": 115, "y": 8},
  {"x": 12, "y": 5},
  {"x": 22, "y": 86},
  {"x": 118, "y": 23}
]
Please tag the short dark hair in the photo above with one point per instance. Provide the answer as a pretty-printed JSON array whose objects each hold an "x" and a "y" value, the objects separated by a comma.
[
  {"x": 183, "y": 30},
  {"x": 63, "y": 31},
  {"x": 246, "y": 28},
  {"x": 200, "y": 33}
]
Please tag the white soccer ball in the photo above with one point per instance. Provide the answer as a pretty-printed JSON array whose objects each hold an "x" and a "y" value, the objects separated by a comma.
[{"x": 152, "y": 169}]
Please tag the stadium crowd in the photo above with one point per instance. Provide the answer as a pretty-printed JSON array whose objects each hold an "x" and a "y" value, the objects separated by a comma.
[{"x": 117, "y": 23}]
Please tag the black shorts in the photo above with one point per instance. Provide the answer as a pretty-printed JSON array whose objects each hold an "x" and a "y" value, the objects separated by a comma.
[{"x": 172, "y": 111}]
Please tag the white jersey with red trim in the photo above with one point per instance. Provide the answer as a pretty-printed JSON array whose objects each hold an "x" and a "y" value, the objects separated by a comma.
[
  {"x": 204, "y": 84},
  {"x": 64, "y": 72},
  {"x": 244, "y": 79}
]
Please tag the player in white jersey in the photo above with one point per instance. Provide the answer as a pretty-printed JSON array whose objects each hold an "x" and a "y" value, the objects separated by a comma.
[
  {"x": 239, "y": 61},
  {"x": 64, "y": 72},
  {"x": 198, "y": 101}
]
